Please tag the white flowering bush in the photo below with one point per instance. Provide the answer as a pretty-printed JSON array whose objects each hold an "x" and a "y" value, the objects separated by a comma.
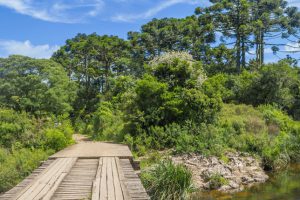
[
  {"x": 168, "y": 58},
  {"x": 178, "y": 69}
]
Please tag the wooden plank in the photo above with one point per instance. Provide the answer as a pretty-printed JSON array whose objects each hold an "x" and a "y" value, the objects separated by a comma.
[
  {"x": 133, "y": 182},
  {"x": 50, "y": 193},
  {"x": 38, "y": 182},
  {"x": 40, "y": 187},
  {"x": 117, "y": 184},
  {"x": 79, "y": 182},
  {"x": 46, "y": 183},
  {"x": 103, "y": 182},
  {"x": 11, "y": 194},
  {"x": 96, "y": 182},
  {"x": 94, "y": 150},
  {"x": 110, "y": 182},
  {"x": 122, "y": 180},
  {"x": 42, "y": 174}
]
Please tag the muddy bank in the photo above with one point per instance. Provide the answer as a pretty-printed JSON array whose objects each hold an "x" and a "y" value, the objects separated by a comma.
[{"x": 232, "y": 173}]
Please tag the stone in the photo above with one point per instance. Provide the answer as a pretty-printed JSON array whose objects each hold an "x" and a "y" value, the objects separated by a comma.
[{"x": 241, "y": 170}]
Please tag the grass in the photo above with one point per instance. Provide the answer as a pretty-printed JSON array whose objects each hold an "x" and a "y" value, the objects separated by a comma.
[
  {"x": 216, "y": 181},
  {"x": 168, "y": 181},
  {"x": 16, "y": 165}
]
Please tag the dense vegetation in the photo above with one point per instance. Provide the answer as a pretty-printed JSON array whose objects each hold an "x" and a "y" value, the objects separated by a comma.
[
  {"x": 34, "y": 123},
  {"x": 177, "y": 84}
]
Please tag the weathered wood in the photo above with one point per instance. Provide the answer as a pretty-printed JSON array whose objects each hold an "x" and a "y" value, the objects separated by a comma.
[
  {"x": 42, "y": 185},
  {"x": 95, "y": 177},
  {"x": 96, "y": 182},
  {"x": 103, "y": 182},
  {"x": 54, "y": 187},
  {"x": 110, "y": 181},
  {"x": 78, "y": 183},
  {"x": 117, "y": 184},
  {"x": 38, "y": 183},
  {"x": 122, "y": 180},
  {"x": 132, "y": 181},
  {"x": 95, "y": 150}
]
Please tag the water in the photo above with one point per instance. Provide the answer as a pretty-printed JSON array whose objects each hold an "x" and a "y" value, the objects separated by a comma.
[{"x": 281, "y": 186}]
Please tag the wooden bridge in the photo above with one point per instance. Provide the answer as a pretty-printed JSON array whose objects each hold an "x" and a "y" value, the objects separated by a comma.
[{"x": 88, "y": 170}]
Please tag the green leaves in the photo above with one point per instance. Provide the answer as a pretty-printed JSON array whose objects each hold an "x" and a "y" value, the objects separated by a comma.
[
  {"x": 35, "y": 86},
  {"x": 168, "y": 181}
]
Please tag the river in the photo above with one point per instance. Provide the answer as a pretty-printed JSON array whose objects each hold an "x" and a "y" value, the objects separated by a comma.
[{"x": 284, "y": 185}]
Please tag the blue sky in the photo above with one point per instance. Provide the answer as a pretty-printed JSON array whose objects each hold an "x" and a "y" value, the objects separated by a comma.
[{"x": 37, "y": 28}]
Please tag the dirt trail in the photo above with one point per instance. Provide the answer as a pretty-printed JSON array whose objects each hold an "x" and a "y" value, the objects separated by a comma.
[
  {"x": 85, "y": 148},
  {"x": 79, "y": 138}
]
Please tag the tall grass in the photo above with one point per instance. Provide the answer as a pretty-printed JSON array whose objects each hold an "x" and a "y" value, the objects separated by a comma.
[
  {"x": 16, "y": 165},
  {"x": 167, "y": 181}
]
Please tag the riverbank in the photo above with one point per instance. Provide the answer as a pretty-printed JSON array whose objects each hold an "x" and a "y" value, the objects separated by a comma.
[
  {"x": 281, "y": 185},
  {"x": 230, "y": 173}
]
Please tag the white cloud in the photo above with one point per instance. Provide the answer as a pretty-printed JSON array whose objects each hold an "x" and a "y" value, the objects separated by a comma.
[
  {"x": 64, "y": 11},
  {"x": 152, "y": 11},
  {"x": 26, "y": 48},
  {"x": 294, "y": 3},
  {"x": 292, "y": 47}
]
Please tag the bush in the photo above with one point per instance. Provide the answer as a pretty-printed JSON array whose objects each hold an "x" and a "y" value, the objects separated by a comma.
[
  {"x": 17, "y": 165},
  {"x": 216, "y": 181},
  {"x": 217, "y": 86},
  {"x": 168, "y": 181},
  {"x": 37, "y": 86},
  {"x": 178, "y": 69},
  {"x": 107, "y": 123},
  {"x": 240, "y": 128},
  {"x": 17, "y": 127},
  {"x": 55, "y": 139}
]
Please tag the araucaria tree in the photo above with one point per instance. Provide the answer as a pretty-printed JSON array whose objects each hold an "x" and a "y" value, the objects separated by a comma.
[
  {"x": 248, "y": 24},
  {"x": 91, "y": 61}
]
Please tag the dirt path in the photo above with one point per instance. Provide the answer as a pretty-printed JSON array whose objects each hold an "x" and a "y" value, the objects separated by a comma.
[
  {"x": 85, "y": 148},
  {"x": 79, "y": 138}
]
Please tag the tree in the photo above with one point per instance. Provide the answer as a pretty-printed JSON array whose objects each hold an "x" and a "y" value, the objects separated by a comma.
[
  {"x": 38, "y": 86},
  {"x": 171, "y": 93},
  {"x": 273, "y": 19},
  {"x": 276, "y": 84},
  {"x": 91, "y": 61},
  {"x": 178, "y": 69},
  {"x": 252, "y": 23},
  {"x": 171, "y": 34},
  {"x": 232, "y": 19}
]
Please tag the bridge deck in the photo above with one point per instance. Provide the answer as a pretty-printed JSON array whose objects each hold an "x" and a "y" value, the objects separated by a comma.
[
  {"x": 94, "y": 150},
  {"x": 108, "y": 176}
]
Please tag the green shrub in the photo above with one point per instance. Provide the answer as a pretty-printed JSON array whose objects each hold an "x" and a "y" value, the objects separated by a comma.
[
  {"x": 151, "y": 159},
  {"x": 55, "y": 139},
  {"x": 216, "y": 181},
  {"x": 107, "y": 123},
  {"x": 185, "y": 143},
  {"x": 17, "y": 165},
  {"x": 37, "y": 86},
  {"x": 15, "y": 127},
  {"x": 218, "y": 86},
  {"x": 168, "y": 181}
]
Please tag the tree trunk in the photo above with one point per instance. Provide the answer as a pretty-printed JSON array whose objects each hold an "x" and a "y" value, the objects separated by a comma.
[
  {"x": 238, "y": 53},
  {"x": 262, "y": 48},
  {"x": 243, "y": 53}
]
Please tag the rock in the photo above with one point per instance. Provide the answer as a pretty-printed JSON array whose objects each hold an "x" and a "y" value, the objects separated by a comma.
[
  {"x": 240, "y": 170},
  {"x": 247, "y": 180},
  {"x": 225, "y": 188},
  {"x": 233, "y": 185}
]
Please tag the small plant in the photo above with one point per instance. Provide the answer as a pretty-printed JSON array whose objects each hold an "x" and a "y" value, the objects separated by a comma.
[
  {"x": 152, "y": 158},
  {"x": 168, "y": 181},
  {"x": 216, "y": 181},
  {"x": 55, "y": 139}
]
